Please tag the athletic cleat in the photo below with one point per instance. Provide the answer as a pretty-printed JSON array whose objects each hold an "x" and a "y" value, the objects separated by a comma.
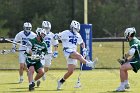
[
  {"x": 127, "y": 86},
  {"x": 38, "y": 83},
  {"x": 92, "y": 64},
  {"x": 59, "y": 84},
  {"x": 44, "y": 77},
  {"x": 31, "y": 86},
  {"x": 120, "y": 89},
  {"x": 20, "y": 80}
]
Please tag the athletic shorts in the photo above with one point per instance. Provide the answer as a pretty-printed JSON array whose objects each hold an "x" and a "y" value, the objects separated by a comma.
[
  {"x": 46, "y": 62},
  {"x": 67, "y": 53},
  {"x": 22, "y": 57},
  {"x": 135, "y": 63},
  {"x": 37, "y": 66}
]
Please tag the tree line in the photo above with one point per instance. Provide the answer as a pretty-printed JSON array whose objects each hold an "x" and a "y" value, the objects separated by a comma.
[{"x": 109, "y": 17}]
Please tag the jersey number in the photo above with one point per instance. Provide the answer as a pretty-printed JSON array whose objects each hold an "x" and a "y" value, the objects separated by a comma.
[
  {"x": 24, "y": 42},
  {"x": 73, "y": 41},
  {"x": 48, "y": 44}
]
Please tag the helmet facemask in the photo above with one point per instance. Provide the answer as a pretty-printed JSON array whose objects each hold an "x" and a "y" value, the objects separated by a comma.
[
  {"x": 129, "y": 32},
  {"x": 27, "y": 27},
  {"x": 41, "y": 33},
  {"x": 75, "y": 26},
  {"x": 46, "y": 25}
]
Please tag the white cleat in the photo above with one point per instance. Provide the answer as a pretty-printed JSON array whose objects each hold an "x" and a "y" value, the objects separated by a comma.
[
  {"x": 92, "y": 64},
  {"x": 20, "y": 80},
  {"x": 59, "y": 84},
  {"x": 127, "y": 86},
  {"x": 120, "y": 89}
]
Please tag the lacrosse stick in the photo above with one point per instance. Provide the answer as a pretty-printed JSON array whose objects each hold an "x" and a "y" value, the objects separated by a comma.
[{"x": 78, "y": 83}]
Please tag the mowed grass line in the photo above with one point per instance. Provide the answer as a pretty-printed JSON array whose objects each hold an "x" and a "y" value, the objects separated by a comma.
[{"x": 94, "y": 81}]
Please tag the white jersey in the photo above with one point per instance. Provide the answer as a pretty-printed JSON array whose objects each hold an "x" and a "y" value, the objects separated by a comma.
[
  {"x": 23, "y": 39},
  {"x": 50, "y": 41},
  {"x": 70, "y": 40}
]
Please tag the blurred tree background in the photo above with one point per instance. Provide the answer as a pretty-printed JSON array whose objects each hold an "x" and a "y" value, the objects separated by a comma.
[{"x": 109, "y": 17}]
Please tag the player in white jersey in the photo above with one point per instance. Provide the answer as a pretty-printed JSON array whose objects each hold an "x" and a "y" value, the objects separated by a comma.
[
  {"x": 50, "y": 42},
  {"x": 22, "y": 37},
  {"x": 70, "y": 39}
]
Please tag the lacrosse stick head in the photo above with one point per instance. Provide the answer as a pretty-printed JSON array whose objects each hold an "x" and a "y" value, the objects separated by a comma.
[{"x": 78, "y": 84}]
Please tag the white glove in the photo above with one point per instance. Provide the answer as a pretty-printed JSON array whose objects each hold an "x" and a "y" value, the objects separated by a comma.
[
  {"x": 13, "y": 50},
  {"x": 85, "y": 52},
  {"x": 55, "y": 54},
  {"x": 56, "y": 36}
]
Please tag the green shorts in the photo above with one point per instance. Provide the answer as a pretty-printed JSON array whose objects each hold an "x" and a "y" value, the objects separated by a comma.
[
  {"x": 37, "y": 65},
  {"x": 135, "y": 63}
]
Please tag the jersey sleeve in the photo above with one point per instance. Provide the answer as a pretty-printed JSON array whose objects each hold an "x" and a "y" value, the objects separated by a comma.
[
  {"x": 63, "y": 35},
  {"x": 17, "y": 38},
  {"x": 79, "y": 40}
]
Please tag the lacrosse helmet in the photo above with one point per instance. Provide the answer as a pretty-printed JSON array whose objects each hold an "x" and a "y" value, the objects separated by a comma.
[
  {"x": 27, "y": 27},
  {"x": 75, "y": 26},
  {"x": 41, "y": 33},
  {"x": 46, "y": 25},
  {"x": 129, "y": 32}
]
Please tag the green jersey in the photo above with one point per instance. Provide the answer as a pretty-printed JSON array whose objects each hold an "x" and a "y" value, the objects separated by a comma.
[
  {"x": 38, "y": 48},
  {"x": 135, "y": 43}
]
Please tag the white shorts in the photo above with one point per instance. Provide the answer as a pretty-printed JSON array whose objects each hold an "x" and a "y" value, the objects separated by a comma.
[
  {"x": 46, "y": 62},
  {"x": 22, "y": 57},
  {"x": 67, "y": 53}
]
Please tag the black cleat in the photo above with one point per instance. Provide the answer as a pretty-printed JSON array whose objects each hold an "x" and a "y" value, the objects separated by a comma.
[
  {"x": 31, "y": 86},
  {"x": 38, "y": 83}
]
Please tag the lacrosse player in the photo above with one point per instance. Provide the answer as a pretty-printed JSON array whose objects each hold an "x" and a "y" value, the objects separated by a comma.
[
  {"x": 46, "y": 25},
  {"x": 23, "y": 37},
  {"x": 70, "y": 39},
  {"x": 131, "y": 60},
  {"x": 36, "y": 49}
]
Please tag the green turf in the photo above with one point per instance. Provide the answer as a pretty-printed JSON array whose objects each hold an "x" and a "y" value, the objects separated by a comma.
[
  {"x": 94, "y": 81},
  {"x": 107, "y": 53}
]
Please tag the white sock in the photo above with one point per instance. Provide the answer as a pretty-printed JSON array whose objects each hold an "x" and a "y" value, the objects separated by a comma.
[
  {"x": 21, "y": 77},
  {"x": 30, "y": 83},
  {"x": 126, "y": 81},
  {"x": 122, "y": 84}
]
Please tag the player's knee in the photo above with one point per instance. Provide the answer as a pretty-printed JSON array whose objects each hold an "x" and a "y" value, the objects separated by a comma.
[
  {"x": 21, "y": 66},
  {"x": 70, "y": 72},
  {"x": 79, "y": 56},
  {"x": 123, "y": 68},
  {"x": 41, "y": 72},
  {"x": 31, "y": 71}
]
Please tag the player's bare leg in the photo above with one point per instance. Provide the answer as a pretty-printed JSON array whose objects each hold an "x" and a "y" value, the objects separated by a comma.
[
  {"x": 30, "y": 78},
  {"x": 46, "y": 69},
  {"x": 38, "y": 76},
  {"x": 21, "y": 69},
  {"x": 124, "y": 77},
  {"x": 70, "y": 71},
  {"x": 78, "y": 56}
]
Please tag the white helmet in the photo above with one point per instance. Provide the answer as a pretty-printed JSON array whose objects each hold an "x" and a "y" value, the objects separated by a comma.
[
  {"x": 75, "y": 26},
  {"x": 46, "y": 25},
  {"x": 129, "y": 31},
  {"x": 27, "y": 26},
  {"x": 39, "y": 31}
]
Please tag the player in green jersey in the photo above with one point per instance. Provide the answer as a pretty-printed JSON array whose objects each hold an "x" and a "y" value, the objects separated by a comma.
[
  {"x": 131, "y": 60},
  {"x": 36, "y": 49}
]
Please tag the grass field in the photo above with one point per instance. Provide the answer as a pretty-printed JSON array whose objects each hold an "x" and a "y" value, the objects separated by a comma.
[{"x": 95, "y": 81}]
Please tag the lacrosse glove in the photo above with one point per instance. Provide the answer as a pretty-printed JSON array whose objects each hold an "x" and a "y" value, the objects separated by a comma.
[
  {"x": 55, "y": 54},
  {"x": 122, "y": 61},
  {"x": 85, "y": 52}
]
